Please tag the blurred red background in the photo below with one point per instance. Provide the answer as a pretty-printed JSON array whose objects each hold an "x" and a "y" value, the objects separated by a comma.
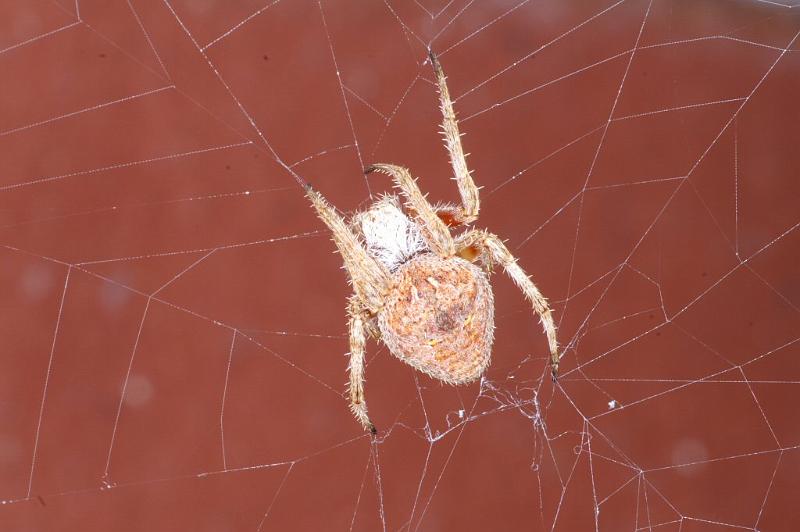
[{"x": 173, "y": 316}]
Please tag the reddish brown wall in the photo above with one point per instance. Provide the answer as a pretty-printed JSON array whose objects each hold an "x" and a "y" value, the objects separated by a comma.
[{"x": 640, "y": 158}]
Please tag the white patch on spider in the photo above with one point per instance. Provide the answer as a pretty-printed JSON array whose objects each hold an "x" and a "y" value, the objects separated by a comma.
[{"x": 390, "y": 236}]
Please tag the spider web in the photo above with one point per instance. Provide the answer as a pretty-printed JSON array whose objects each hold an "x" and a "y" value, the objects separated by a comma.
[{"x": 173, "y": 318}]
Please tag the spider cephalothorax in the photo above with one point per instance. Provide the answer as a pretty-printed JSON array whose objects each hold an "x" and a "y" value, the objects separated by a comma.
[
  {"x": 415, "y": 286},
  {"x": 388, "y": 234}
]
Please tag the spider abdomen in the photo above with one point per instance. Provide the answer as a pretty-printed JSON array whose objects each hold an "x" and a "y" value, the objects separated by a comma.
[{"x": 439, "y": 317}]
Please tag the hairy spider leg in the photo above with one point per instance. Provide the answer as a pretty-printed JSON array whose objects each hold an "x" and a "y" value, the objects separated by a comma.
[
  {"x": 490, "y": 249},
  {"x": 470, "y": 199},
  {"x": 369, "y": 278},
  {"x": 370, "y": 281},
  {"x": 358, "y": 342}
]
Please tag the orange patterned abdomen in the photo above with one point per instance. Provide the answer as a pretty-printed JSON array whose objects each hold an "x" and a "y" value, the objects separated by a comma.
[{"x": 439, "y": 318}]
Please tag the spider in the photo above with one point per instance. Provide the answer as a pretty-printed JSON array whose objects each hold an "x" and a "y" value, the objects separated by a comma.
[{"x": 415, "y": 286}]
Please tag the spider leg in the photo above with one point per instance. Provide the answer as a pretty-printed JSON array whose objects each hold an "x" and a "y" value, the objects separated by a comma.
[
  {"x": 470, "y": 200},
  {"x": 370, "y": 278},
  {"x": 358, "y": 338},
  {"x": 435, "y": 232},
  {"x": 490, "y": 249}
]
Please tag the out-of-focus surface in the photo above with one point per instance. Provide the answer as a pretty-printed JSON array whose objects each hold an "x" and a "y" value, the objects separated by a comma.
[{"x": 172, "y": 315}]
